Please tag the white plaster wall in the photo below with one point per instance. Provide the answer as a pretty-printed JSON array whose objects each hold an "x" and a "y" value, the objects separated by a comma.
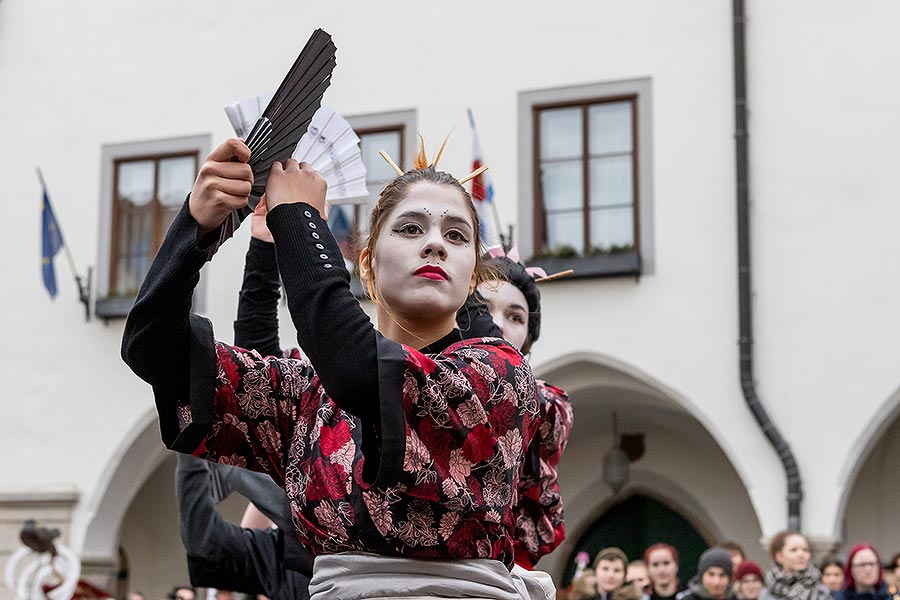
[
  {"x": 823, "y": 127},
  {"x": 75, "y": 76}
]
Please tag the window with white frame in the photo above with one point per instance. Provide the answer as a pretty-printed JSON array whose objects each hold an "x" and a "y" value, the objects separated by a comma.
[{"x": 586, "y": 174}]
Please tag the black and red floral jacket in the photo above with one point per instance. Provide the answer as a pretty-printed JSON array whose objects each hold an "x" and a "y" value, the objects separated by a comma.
[
  {"x": 407, "y": 453},
  {"x": 540, "y": 526}
]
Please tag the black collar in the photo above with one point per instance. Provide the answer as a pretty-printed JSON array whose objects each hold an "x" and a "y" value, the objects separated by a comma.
[{"x": 442, "y": 344}]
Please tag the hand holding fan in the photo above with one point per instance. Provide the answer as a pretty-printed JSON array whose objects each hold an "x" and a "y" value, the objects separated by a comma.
[
  {"x": 330, "y": 146},
  {"x": 275, "y": 134}
]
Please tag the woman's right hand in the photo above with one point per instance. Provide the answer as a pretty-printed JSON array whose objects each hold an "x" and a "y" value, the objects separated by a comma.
[
  {"x": 223, "y": 185},
  {"x": 296, "y": 182}
]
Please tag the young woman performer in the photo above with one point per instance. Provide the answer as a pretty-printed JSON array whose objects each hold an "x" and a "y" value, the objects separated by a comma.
[
  {"x": 507, "y": 307},
  {"x": 445, "y": 422}
]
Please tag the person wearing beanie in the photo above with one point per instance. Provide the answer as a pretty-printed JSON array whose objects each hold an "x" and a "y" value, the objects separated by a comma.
[
  {"x": 748, "y": 580},
  {"x": 792, "y": 576},
  {"x": 864, "y": 576},
  {"x": 662, "y": 567},
  {"x": 713, "y": 579},
  {"x": 609, "y": 572}
]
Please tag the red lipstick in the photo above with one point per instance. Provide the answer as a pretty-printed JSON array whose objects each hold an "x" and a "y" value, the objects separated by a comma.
[{"x": 431, "y": 272}]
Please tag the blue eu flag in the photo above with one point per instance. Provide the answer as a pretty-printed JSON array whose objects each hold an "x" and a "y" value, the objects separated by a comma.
[{"x": 51, "y": 242}]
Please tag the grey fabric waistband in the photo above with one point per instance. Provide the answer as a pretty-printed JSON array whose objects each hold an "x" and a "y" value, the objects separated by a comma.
[{"x": 363, "y": 576}]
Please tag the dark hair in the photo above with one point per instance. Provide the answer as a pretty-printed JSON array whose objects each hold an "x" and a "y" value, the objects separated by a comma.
[
  {"x": 894, "y": 560},
  {"x": 174, "y": 593},
  {"x": 516, "y": 274},
  {"x": 733, "y": 547},
  {"x": 778, "y": 540},
  {"x": 394, "y": 193},
  {"x": 832, "y": 560}
]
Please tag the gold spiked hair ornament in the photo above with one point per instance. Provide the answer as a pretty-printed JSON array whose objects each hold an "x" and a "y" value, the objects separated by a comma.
[{"x": 421, "y": 161}]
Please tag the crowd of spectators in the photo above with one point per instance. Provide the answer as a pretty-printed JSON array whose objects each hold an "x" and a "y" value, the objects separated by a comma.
[{"x": 724, "y": 573}]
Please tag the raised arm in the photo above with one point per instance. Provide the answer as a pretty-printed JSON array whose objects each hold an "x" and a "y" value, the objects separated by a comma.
[
  {"x": 220, "y": 402},
  {"x": 332, "y": 328},
  {"x": 256, "y": 326},
  {"x": 221, "y": 554},
  {"x": 474, "y": 319},
  {"x": 156, "y": 342}
]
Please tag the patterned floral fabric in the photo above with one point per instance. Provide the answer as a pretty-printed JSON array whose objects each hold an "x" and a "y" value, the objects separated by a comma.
[
  {"x": 540, "y": 526},
  {"x": 470, "y": 413}
]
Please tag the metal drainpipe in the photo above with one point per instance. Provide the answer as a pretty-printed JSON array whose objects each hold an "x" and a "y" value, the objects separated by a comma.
[{"x": 748, "y": 385}]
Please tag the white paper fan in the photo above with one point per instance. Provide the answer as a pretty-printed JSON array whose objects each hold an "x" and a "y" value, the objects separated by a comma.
[{"x": 330, "y": 145}]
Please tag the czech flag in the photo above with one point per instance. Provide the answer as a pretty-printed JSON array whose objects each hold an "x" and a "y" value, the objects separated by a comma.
[{"x": 483, "y": 192}]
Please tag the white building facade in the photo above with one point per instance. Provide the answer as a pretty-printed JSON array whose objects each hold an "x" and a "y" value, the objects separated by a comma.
[{"x": 609, "y": 127}]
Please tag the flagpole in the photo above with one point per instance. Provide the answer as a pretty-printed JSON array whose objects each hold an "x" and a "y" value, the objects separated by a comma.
[
  {"x": 84, "y": 293},
  {"x": 494, "y": 209}
]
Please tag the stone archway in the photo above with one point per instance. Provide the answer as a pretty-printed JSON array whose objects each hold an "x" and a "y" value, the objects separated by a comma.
[
  {"x": 869, "y": 502},
  {"x": 139, "y": 455},
  {"x": 685, "y": 467},
  {"x": 633, "y": 522},
  {"x": 136, "y": 516}
]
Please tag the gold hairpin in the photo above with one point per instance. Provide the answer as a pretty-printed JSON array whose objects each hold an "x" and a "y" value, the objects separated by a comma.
[
  {"x": 390, "y": 161},
  {"x": 421, "y": 161},
  {"x": 474, "y": 174},
  {"x": 558, "y": 275}
]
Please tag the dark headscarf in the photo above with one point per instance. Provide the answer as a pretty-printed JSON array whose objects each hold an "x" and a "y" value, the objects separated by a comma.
[{"x": 515, "y": 273}]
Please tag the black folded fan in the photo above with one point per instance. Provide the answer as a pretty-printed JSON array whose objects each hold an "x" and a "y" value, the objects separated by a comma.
[{"x": 277, "y": 132}]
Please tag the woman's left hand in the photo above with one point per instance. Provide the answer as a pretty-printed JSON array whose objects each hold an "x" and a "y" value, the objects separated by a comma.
[{"x": 296, "y": 182}]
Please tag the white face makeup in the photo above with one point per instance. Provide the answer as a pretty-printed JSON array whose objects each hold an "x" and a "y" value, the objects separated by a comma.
[
  {"x": 508, "y": 308},
  {"x": 423, "y": 263}
]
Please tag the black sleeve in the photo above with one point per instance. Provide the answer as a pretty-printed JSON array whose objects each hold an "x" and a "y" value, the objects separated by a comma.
[
  {"x": 222, "y": 554},
  {"x": 167, "y": 346},
  {"x": 256, "y": 326},
  {"x": 333, "y": 330},
  {"x": 474, "y": 319},
  {"x": 361, "y": 370},
  {"x": 259, "y": 489}
]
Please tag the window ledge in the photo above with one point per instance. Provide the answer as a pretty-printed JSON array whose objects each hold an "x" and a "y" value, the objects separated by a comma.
[
  {"x": 623, "y": 264},
  {"x": 113, "y": 307}
]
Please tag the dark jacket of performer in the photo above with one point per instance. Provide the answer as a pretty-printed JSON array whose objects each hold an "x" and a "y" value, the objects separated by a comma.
[
  {"x": 226, "y": 556},
  {"x": 539, "y": 519}
]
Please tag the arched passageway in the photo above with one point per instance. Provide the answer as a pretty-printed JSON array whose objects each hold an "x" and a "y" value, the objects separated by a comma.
[
  {"x": 871, "y": 503},
  {"x": 683, "y": 470},
  {"x": 636, "y": 522}
]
